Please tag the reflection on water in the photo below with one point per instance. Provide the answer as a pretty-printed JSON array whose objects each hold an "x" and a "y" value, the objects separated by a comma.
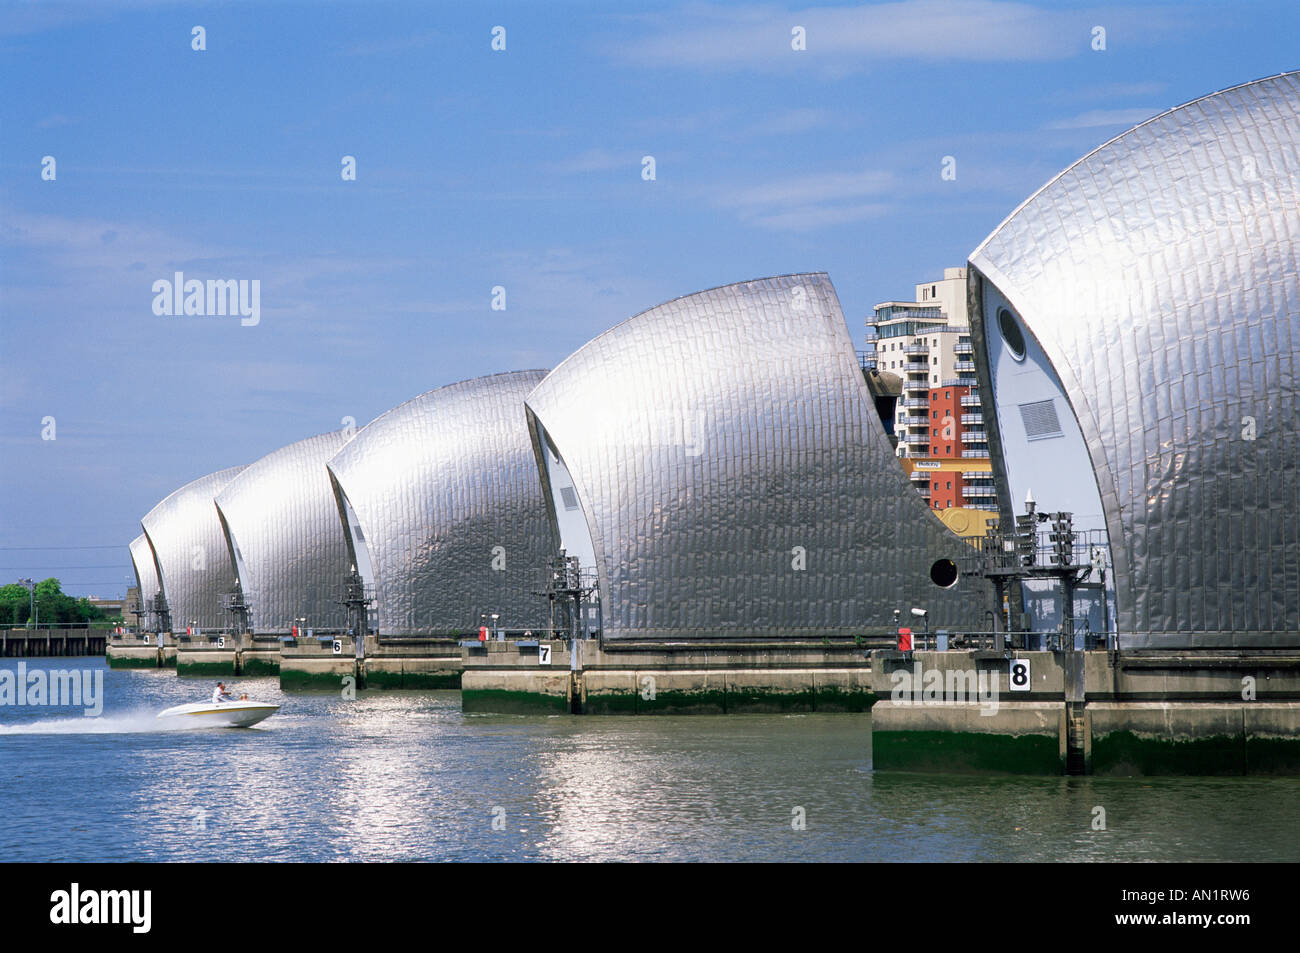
[{"x": 407, "y": 776}]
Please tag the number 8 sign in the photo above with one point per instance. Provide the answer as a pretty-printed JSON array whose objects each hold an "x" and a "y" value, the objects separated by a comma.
[{"x": 1020, "y": 675}]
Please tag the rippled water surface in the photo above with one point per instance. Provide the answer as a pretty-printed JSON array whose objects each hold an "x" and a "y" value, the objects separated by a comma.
[{"x": 407, "y": 776}]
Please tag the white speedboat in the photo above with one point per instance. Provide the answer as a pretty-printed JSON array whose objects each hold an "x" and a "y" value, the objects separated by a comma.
[{"x": 232, "y": 714}]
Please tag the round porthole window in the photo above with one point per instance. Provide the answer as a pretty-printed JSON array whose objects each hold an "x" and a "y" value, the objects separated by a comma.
[
  {"x": 944, "y": 573},
  {"x": 1011, "y": 334}
]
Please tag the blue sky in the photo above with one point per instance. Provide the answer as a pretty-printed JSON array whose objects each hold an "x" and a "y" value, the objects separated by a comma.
[{"x": 477, "y": 168}]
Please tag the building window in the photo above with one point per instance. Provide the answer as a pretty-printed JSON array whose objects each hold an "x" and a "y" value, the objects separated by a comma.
[
  {"x": 947, "y": 395},
  {"x": 950, "y": 484}
]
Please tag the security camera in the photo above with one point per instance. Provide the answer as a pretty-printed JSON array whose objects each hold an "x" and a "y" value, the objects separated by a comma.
[{"x": 919, "y": 613}]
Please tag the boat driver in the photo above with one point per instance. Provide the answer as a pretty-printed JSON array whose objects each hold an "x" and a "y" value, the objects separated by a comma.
[{"x": 219, "y": 694}]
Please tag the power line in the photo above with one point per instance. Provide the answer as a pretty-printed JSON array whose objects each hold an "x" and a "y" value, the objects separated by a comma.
[
  {"x": 52, "y": 566},
  {"x": 10, "y": 549}
]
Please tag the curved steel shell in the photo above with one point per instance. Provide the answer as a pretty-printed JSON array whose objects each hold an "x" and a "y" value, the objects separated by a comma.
[
  {"x": 146, "y": 572},
  {"x": 451, "y": 514},
  {"x": 193, "y": 564},
  {"x": 284, "y": 537},
  {"x": 1161, "y": 277},
  {"x": 734, "y": 475}
]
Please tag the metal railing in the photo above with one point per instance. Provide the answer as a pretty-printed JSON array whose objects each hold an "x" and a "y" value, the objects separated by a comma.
[
  {"x": 986, "y": 641},
  {"x": 23, "y": 626}
]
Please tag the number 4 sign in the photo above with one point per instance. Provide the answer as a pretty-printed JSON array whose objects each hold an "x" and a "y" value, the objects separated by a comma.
[{"x": 1020, "y": 675}]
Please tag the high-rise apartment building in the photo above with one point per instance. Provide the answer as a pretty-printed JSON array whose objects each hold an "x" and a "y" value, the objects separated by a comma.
[{"x": 940, "y": 434}]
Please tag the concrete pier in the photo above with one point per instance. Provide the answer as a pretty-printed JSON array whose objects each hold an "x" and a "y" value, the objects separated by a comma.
[
  {"x": 219, "y": 654},
  {"x": 719, "y": 678},
  {"x": 148, "y": 650},
  {"x": 1087, "y": 712},
  {"x": 405, "y": 663}
]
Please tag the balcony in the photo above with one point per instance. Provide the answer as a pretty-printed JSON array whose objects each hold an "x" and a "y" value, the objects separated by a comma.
[
  {"x": 964, "y": 347},
  {"x": 922, "y": 349},
  {"x": 916, "y": 438},
  {"x": 916, "y": 401},
  {"x": 975, "y": 453},
  {"x": 974, "y": 436},
  {"x": 961, "y": 366},
  {"x": 970, "y": 400},
  {"x": 982, "y": 492},
  {"x": 924, "y": 490},
  {"x": 921, "y": 475},
  {"x": 968, "y": 419}
]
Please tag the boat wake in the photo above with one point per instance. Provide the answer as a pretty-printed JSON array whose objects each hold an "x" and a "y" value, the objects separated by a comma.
[{"x": 125, "y": 724}]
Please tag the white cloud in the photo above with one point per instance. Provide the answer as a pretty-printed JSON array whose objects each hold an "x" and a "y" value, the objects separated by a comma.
[
  {"x": 598, "y": 160},
  {"x": 818, "y": 187},
  {"x": 844, "y": 39},
  {"x": 809, "y": 201},
  {"x": 1094, "y": 118},
  {"x": 806, "y": 218}
]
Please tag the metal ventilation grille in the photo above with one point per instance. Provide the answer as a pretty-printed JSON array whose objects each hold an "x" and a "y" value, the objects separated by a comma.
[
  {"x": 1041, "y": 422},
  {"x": 570, "y": 498}
]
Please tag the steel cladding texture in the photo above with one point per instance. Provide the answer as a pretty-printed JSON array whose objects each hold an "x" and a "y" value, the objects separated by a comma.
[
  {"x": 446, "y": 492},
  {"x": 146, "y": 572},
  {"x": 284, "y": 534},
  {"x": 1159, "y": 273},
  {"x": 723, "y": 440},
  {"x": 192, "y": 560}
]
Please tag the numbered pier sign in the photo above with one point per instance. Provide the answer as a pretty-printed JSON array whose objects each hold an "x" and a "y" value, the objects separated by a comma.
[
  {"x": 543, "y": 654},
  {"x": 337, "y": 647},
  {"x": 1020, "y": 681}
]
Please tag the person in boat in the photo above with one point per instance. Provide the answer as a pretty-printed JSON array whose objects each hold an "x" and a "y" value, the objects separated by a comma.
[{"x": 219, "y": 694}]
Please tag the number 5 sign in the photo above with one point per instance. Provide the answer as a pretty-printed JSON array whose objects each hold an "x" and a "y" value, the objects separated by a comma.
[{"x": 1020, "y": 675}]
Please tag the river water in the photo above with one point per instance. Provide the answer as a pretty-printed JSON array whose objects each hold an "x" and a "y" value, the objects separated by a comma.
[{"x": 407, "y": 776}]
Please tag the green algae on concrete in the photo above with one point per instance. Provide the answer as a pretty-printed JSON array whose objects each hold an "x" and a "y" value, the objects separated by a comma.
[
  {"x": 412, "y": 681},
  {"x": 226, "y": 667},
  {"x": 706, "y": 701},
  {"x": 1272, "y": 755},
  {"x": 499, "y": 701},
  {"x": 256, "y": 665},
  {"x": 133, "y": 661},
  {"x": 1128, "y": 753},
  {"x": 296, "y": 680},
  {"x": 832, "y": 698},
  {"x": 955, "y": 752}
]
